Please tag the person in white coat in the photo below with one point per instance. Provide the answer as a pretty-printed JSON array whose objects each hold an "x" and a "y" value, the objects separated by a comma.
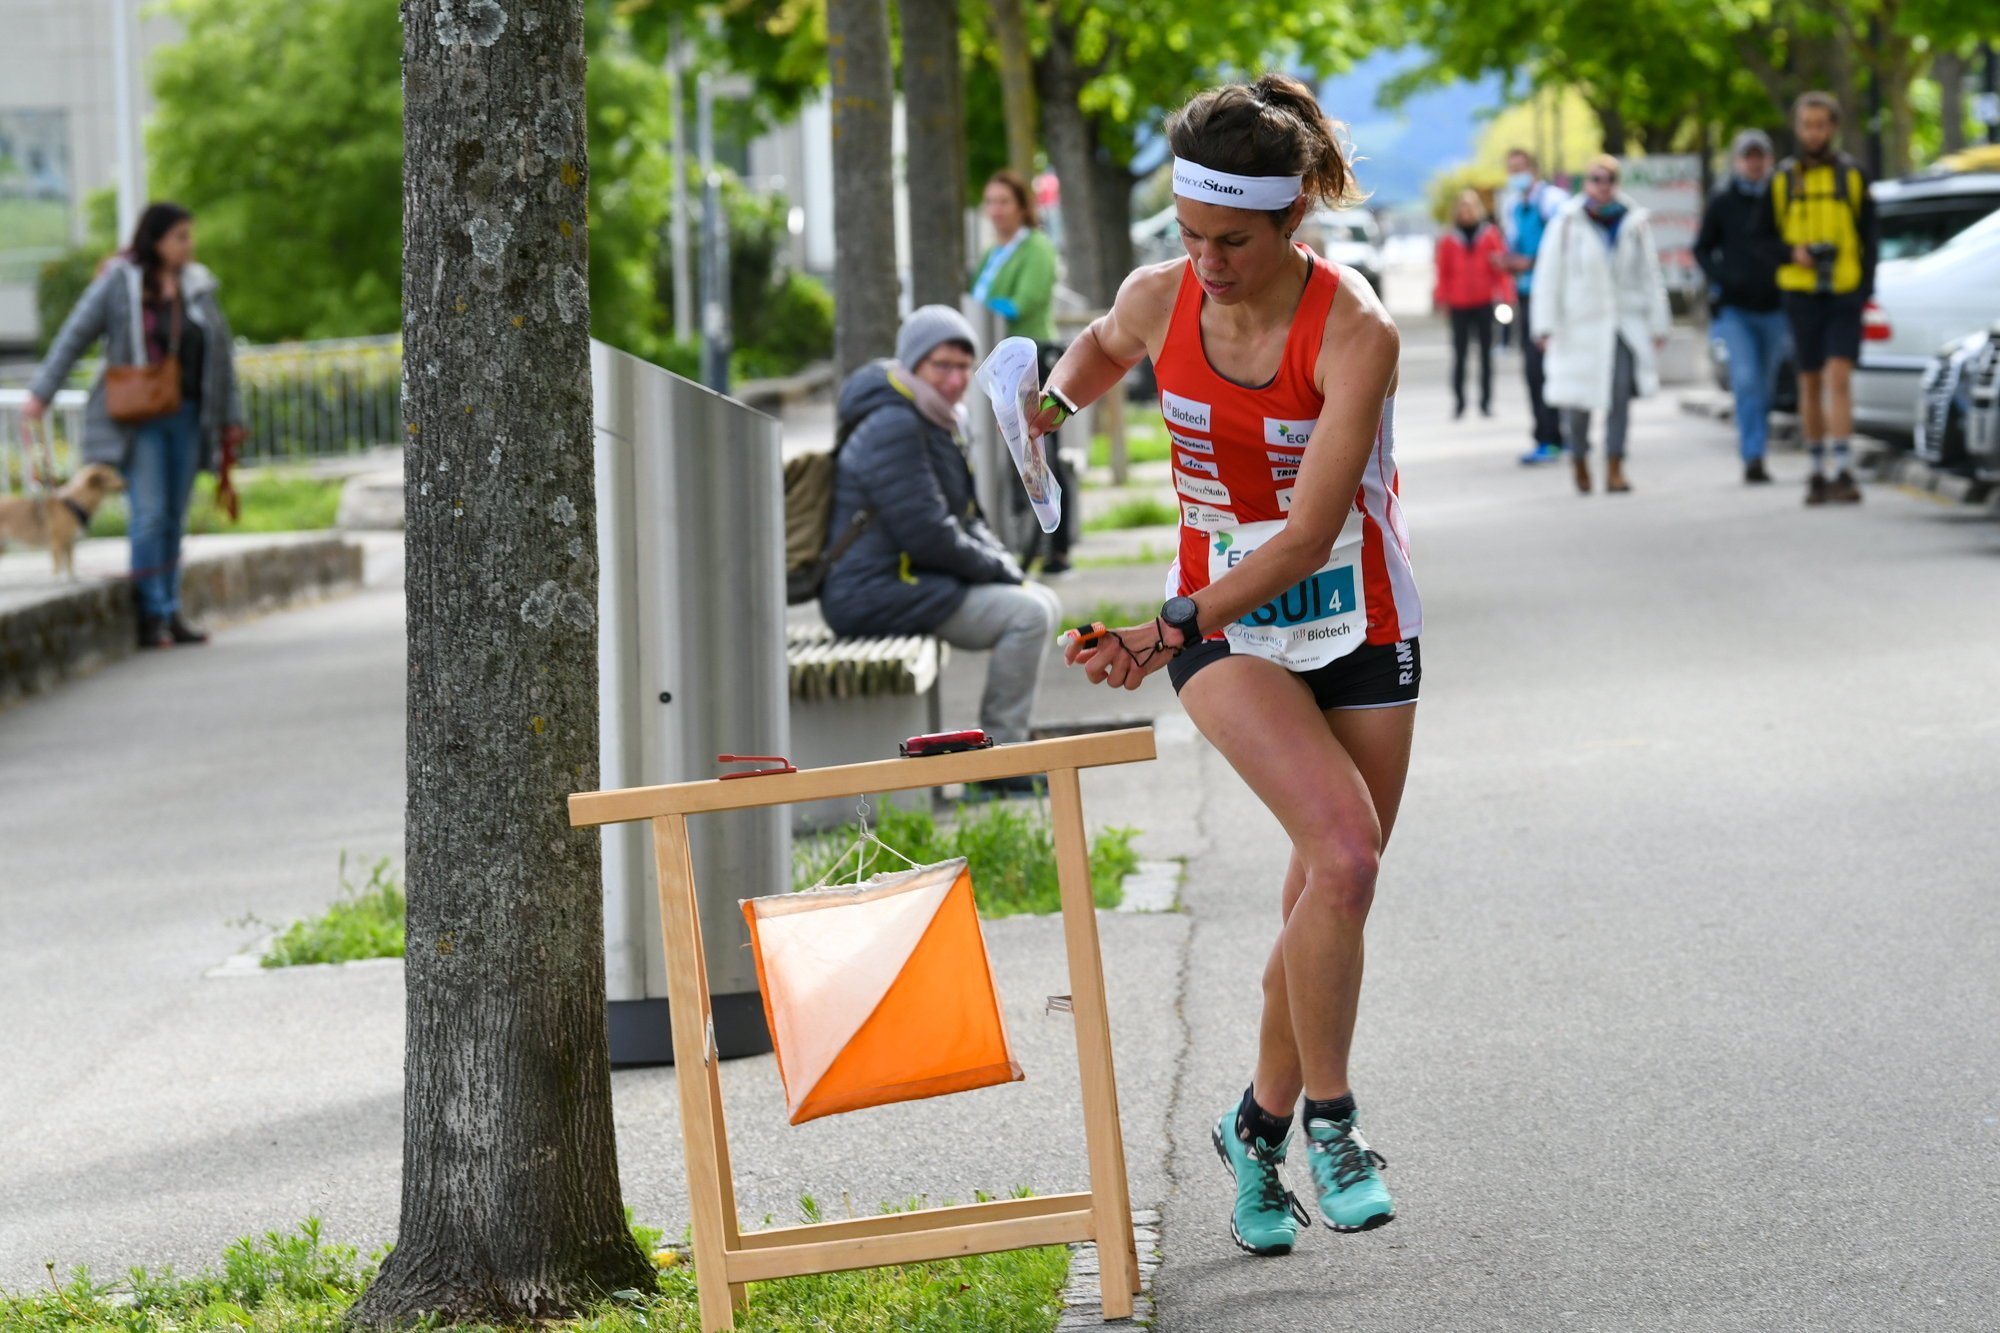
[{"x": 1600, "y": 316}]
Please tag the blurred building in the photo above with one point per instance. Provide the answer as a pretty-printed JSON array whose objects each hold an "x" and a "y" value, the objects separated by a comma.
[{"x": 58, "y": 135}]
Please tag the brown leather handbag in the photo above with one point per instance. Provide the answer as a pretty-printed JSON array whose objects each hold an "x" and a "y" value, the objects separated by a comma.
[{"x": 137, "y": 394}]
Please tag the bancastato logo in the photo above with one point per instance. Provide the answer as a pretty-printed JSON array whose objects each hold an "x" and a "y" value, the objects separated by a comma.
[{"x": 1208, "y": 183}]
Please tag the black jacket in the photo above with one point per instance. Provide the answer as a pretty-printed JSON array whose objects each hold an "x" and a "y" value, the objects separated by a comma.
[
  {"x": 1739, "y": 249},
  {"x": 927, "y": 541}
]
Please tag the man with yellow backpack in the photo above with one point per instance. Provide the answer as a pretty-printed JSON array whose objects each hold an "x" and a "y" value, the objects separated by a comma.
[{"x": 1826, "y": 217}]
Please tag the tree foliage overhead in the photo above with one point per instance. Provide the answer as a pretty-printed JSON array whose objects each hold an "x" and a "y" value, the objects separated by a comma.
[{"x": 279, "y": 123}]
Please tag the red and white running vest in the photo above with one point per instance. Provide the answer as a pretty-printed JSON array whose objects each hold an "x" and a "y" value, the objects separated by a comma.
[{"x": 1236, "y": 456}]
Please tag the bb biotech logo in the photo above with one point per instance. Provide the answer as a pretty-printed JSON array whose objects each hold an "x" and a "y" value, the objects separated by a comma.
[{"x": 1183, "y": 412}]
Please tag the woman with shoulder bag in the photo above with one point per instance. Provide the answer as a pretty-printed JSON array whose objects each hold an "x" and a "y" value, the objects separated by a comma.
[{"x": 166, "y": 404}]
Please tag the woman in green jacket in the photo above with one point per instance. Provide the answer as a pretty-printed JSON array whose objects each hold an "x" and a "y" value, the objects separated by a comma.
[{"x": 1017, "y": 281}]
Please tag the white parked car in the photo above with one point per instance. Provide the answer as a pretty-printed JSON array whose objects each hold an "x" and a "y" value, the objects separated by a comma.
[
  {"x": 1350, "y": 236},
  {"x": 1921, "y": 304}
]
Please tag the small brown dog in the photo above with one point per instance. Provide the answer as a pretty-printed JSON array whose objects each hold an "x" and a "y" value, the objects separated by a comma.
[{"x": 39, "y": 520}]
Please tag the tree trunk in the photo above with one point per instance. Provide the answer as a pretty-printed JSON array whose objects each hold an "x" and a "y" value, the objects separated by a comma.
[
  {"x": 1611, "y": 126},
  {"x": 510, "y": 1201},
  {"x": 1017, "y": 84},
  {"x": 1073, "y": 152},
  {"x": 864, "y": 182},
  {"x": 934, "y": 107},
  {"x": 1948, "y": 67},
  {"x": 1112, "y": 187}
]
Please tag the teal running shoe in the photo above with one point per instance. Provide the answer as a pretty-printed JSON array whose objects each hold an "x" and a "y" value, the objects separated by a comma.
[
  {"x": 1347, "y": 1172},
  {"x": 1268, "y": 1216}
]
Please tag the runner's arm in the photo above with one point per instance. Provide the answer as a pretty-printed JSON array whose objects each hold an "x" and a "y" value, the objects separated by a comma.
[
  {"x": 1358, "y": 369},
  {"x": 1115, "y": 342}
]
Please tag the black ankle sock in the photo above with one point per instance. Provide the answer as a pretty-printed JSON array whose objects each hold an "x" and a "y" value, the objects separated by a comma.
[
  {"x": 1254, "y": 1122},
  {"x": 1339, "y": 1109}
]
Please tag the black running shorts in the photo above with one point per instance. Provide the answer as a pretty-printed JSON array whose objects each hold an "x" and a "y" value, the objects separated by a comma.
[
  {"x": 1822, "y": 327},
  {"x": 1375, "y": 675}
]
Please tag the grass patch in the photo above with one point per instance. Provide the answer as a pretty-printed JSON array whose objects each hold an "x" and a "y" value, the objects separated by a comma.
[
  {"x": 303, "y": 1283},
  {"x": 272, "y": 502},
  {"x": 1138, "y": 511},
  {"x": 1122, "y": 615},
  {"x": 1147, "y": 554},
  {"x": 365, "y": 921},
  {"x": 1008, "y": 844},
  {"x": 1145, "y": 442}
]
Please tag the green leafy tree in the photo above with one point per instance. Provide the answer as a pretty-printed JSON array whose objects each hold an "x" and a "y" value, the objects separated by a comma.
[{"x": 279, "y": 123}]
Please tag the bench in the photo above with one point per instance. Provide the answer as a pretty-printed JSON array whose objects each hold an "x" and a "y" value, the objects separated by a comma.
[{"x": 853, "y": 699}]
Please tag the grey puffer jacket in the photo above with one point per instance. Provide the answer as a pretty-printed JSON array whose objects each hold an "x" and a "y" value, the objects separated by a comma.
[
  {"x": 110, "y": 310},
  {"x": 926, "y": 542}
]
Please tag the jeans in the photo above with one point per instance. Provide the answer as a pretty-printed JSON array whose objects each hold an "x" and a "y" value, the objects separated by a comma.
[
  {"x": 1018, "y": 622},
  {"x": 1474, "y": 324},
  {"x": 159, "y": 482},
  {"x": 1757, "y": 340},
  {"x": 1547, "y": 426},
  {"x": 1576, "y": 420}
]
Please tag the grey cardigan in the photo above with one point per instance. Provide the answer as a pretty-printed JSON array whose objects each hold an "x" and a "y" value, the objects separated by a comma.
[{"x": 110, "y": 310}]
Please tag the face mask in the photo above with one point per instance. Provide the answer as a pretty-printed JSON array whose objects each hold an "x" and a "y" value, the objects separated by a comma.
[
  {"x": 1521, "y": 180},
  {"x": 1755, "y": 189}
]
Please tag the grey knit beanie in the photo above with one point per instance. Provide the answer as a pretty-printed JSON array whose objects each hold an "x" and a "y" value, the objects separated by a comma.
[{"x": 927, "y": 327}]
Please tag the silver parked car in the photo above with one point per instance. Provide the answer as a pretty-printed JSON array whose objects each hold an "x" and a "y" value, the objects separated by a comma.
[{"x": 1982, "y": 409}]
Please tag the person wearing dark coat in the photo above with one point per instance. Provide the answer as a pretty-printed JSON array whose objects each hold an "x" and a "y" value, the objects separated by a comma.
[
  {"x": 1739, "y": 250},
  {"x": 926, "y": 562}
]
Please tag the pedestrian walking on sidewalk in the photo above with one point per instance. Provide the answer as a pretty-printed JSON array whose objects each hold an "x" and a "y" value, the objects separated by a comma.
[
  {"x": 1739, "y": 249},
  {"x": 153, "y": 306},
  {"x": 1531, "y": 204},
  {"x": 1601, "y": 316},
  {"x": 1469, "y": 283},
  {"x": 909, "y": 551},
  {"x": 1016, "y": 279},
  {"x": 1826, "y": 218},
  {"x": 1291, "y": 621}
]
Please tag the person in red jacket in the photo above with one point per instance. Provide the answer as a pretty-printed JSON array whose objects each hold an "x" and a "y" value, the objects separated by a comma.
[{"x": 1469, "y": 282}]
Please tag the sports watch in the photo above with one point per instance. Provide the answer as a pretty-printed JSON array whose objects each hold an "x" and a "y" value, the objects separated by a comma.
[
  {"x": 1182, "y": 614},
  {"x": 1052, "y": 395}
]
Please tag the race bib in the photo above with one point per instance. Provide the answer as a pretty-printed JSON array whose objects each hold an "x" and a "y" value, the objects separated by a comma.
[{"x": 1316, "y": 621}]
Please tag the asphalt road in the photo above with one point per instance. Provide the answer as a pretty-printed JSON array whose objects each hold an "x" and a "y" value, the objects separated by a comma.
[
  {"x": 1685, "y": 966},
  {"x": 1683, "y": 1009}
]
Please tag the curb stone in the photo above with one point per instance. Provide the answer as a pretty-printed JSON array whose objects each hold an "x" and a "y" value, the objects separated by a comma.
[{"x": 1083, "y": 1306}]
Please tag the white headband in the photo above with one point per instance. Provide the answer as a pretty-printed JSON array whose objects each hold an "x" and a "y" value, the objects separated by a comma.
[{"x": 1192, "y": 180}]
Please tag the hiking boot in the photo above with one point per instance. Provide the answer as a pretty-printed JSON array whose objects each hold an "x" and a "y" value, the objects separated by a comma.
[
  {"x": 1817, "y": 490},
  {"x": 1347, "y": 1173},
  {"x": 1268, "y": 1216},
  {"x": 1582, "y": 467},
  {"x": 1842, "y": 490},
  {"x": 181, "y": 632},
  {"x": 1754, "y": 473},
  {"x": 1615, "y": 482},
  {"x": 153, "y": 633}
]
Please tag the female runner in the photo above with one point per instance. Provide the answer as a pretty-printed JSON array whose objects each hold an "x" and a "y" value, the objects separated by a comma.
[{"x": 1291, "y": 620}]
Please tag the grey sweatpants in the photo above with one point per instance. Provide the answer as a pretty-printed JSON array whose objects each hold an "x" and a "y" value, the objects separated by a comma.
[
  {"x": 1576, "y": 420},
  {"x": 1018, "y": 623}
]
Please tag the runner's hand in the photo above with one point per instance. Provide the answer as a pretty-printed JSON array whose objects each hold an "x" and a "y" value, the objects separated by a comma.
[
  {"x": 1802, "y": 256},
  {"x": 1046, "y": 418},
  {"x": 1123, "y": 658}
]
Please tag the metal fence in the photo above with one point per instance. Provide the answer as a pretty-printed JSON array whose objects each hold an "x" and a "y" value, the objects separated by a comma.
[{"x": 302, "y": 401}]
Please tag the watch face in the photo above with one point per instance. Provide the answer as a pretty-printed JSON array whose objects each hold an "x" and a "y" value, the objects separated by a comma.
[{"x": 1178, "y": 612}]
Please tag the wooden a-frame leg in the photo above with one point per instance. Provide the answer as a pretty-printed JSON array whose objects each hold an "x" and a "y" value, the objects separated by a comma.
[
  {"x": 711, "y": 1189},
  {"x": 1111, "y": 1199}
]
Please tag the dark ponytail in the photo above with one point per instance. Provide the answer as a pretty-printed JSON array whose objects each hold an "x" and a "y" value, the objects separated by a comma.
[{"x": 1273, "y": 127}]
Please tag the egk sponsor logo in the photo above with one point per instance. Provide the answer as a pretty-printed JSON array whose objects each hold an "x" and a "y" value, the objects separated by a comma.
[{"x": 1287, "y": 433}]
